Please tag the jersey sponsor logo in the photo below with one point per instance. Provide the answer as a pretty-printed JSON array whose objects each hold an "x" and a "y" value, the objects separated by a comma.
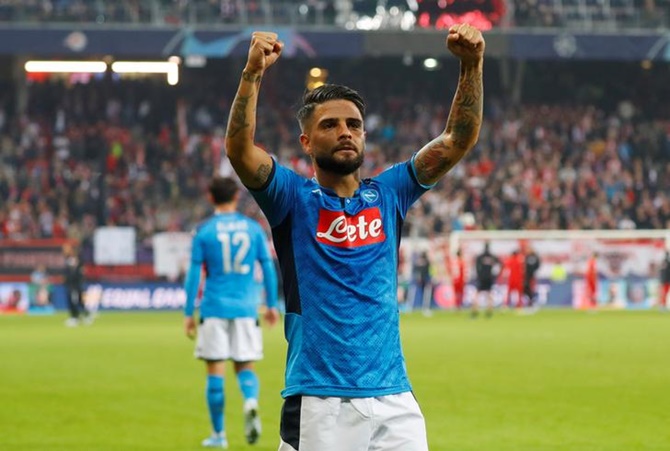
[{"x": 336, "y": 228}]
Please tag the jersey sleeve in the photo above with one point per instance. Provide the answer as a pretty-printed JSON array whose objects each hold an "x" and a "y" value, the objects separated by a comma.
[
  {"x": 402, "y": 177},
  {"x": 277, "y": 197}
]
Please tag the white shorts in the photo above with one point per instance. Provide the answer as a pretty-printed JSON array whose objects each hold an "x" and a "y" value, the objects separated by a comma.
[
  {"x": 239, "y": 339},
  {"x": 389, "y": 423}
]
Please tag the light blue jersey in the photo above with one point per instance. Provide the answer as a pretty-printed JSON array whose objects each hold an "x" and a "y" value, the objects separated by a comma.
[
  {"x": 339, "y": 259},
  {"x": 227, "y": 246}
]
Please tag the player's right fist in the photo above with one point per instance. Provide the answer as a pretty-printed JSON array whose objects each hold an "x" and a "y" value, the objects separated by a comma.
[{"x": 264, "y": 50}]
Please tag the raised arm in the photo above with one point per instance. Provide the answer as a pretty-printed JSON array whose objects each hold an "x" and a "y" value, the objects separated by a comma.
[
  {"x": 465, "y": 118},
  {"x": 252, "y": 164}
]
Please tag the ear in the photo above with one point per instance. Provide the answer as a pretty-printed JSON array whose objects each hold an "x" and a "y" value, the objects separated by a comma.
[{"x": 304, "y": 142}]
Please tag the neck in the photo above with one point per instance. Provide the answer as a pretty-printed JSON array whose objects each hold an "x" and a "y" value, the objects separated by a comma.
[
  {"x": 225, "y": 208},
  {"x": 343, "y": 185}
]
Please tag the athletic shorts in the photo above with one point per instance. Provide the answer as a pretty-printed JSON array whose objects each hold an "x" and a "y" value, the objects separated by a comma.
[
  {"x": 389, "y": 423},
  {"x": 484, "y": 284},
  {"x": 238, "y": 339}
]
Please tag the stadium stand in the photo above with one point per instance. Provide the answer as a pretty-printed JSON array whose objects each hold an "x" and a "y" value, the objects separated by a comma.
[
  {"x": 582, "y": 14},
  {"x": 108, "y": 151}
]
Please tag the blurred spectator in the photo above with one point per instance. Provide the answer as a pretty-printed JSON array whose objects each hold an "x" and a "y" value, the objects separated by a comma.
[
  {"x": 40, "y": 288},
  {"x": 139, "y": 153}
]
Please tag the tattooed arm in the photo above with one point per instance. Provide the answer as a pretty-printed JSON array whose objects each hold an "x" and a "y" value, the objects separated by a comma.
[
  {"x": 252, "y": 164},
  {"x": 465, "y": 118}
]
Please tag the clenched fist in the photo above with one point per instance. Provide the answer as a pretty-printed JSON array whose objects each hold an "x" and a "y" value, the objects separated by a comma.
[
  {"x": 466, "y": 42},
  {"x": 263, "y": 51}
]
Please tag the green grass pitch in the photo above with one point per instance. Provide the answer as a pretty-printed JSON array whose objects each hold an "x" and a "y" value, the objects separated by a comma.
[{"x": 558, "y": 380}]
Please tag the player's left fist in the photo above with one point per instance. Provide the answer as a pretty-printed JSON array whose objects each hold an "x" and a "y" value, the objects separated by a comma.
[{"x": 466, "y": 42}]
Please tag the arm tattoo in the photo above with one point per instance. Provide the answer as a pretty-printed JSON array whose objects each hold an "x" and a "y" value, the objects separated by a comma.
[
  {"x": 465, "y": 118},
  {"x": 433, "y": 162},
  {"x": 238, "y": 116},
  {"x": 462, "y": 130},
  {"x": 262, "y": 174},
  {"x": 251, "y": 78}
]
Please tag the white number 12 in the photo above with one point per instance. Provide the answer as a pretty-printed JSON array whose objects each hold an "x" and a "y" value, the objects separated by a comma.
[{"x": 233, "y": 263}]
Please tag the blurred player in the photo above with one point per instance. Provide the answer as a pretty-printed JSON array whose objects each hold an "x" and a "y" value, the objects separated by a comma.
[
  {"x": 337, "y": 239},
  {"x": 531, "y": 266},
  {"x": 228, "y": 245},
  {"x": 458, "y": 278},
  {"x": 487, "y": 266},
  {"x": 591, "y": 281},
  {"x": 74, "y": 286},
  {"x": 665, "y": 280},
  {"x": 514, "y": 266},
  {"x": 422, "y": 281}
]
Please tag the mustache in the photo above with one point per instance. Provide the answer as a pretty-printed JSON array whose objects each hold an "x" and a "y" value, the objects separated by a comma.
[{"x": 345, "y": 145}]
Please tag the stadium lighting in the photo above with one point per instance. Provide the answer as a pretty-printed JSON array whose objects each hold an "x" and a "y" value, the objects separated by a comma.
[
  {"x": 66, "y": 66},
  {"x": 430, "y": 64},
  {"x": 171, "y": 68}
]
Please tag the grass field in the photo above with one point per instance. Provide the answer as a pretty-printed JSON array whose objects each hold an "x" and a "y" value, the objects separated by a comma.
[{"x": 558, "y": 380}]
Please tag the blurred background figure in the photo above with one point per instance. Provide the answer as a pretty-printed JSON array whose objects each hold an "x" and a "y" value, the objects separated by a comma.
[
  {"x": 514, "y": 271},
  {"x": 531, "y": 265},
  {"x": 40, "y": 290},
  {"x": 664, "y": 280},
  {"x": 74, "y": 286},
  {"x": 591, "y": 281},
  {"x": 488, "y": 268},
  {"x": 423, "y": 282},
  {"x": 458, "y": 278}
]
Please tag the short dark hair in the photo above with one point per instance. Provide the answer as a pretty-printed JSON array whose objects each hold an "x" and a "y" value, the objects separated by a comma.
[
  {"x": 324, "y": 93},
  {"x": 222, "y": 189}
]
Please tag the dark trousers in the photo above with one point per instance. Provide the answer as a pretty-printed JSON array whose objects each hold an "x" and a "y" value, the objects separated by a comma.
[{"x": 75, "y": 302}]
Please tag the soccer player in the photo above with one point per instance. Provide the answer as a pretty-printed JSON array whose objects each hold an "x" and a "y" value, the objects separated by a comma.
[
  {"x": 487, "y": 266},
  {"x": 531, "y": 266},
  {"x": 73, "y": 282},
  {"x": 514, "y": 267},
  {"x": 228, "y": 245},
  {"x": 337, "y": 239},
  {"x": 591, "y": 281},
  {"x": 458, "y": 278},
  {"x": 665, "y": 280}
]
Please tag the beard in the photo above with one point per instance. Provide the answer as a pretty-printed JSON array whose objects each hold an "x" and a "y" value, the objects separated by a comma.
[{"x": 337, "y": 166}]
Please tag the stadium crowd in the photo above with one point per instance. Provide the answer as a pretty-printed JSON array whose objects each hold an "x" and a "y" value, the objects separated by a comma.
[
  {"x": 139, "y": 153},
  {"x": 516, "y": 13}
]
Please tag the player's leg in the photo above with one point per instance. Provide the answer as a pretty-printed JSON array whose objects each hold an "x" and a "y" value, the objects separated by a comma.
[
  {"x": 213, "y": 347},
  {"x": 489, "y": 302},
  {"x": 459, "y": 288},
  {"x": 518, "y": 289},
  {"x": 592, "y": 294},
  {"x": 528, "y": 292},
  {"x": 474, "y": 306},
  {"x": 246, "y": 342},
  {"x": 665, "y": 288},
  {"x": 73, "y": 311},
  {"x": 427, "y": 298},
  {"x": 81, "y": 306}
]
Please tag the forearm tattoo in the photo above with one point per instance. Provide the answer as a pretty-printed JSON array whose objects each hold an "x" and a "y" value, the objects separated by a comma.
[
  {"x": 251, "y": 78},
  {"x": 465, "y": 118},
  {"x": 238, "y": 116}
]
